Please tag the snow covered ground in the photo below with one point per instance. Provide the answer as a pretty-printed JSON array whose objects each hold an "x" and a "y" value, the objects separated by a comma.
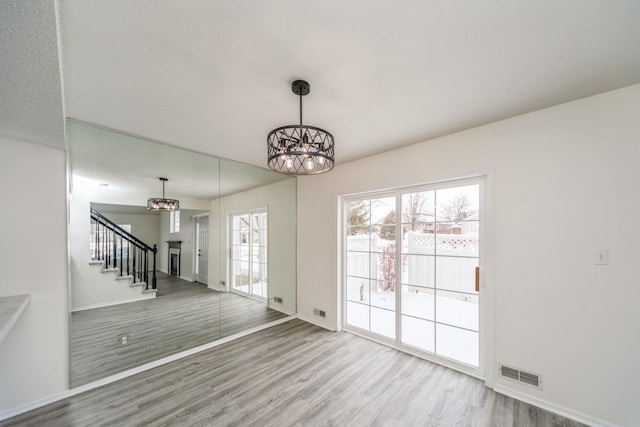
[{"x": 435, "y": 328}]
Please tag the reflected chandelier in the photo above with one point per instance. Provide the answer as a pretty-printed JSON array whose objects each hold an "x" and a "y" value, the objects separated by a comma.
[
  {"x": 162, "y": 204},
  {"x": 300, "y": 149}
]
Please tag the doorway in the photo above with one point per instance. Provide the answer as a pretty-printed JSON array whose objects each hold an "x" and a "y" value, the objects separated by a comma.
[
  {"x": 411, "y": 269},
  {"x": 248, "y": 253},
  {"x": 202, "y": 249}
]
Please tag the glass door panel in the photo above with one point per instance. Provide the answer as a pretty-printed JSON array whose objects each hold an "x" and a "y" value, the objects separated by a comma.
[
  {"x": 457, "y": 255},
  {"x": 240, "y": 253},
  {"x": 249, "y": 253},
  {"x": 259, "y": 254},
  {"x": 370, "y": 264},
  {"x": 418, "y": 333},
  {"x": 458, "y": 344}
]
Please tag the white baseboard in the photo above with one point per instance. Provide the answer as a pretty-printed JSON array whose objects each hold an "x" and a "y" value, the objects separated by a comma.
[
  {"x": 107, "y": 304},
  {"x": 315, "y": 322},
  {"x": 552, "y": 407},
  {"x": 113, "y": 378}
]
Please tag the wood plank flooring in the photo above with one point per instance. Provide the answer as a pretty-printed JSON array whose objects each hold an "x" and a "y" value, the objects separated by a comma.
[
  {"x": 182, "y": 316},
  {"x": 293, "y": 374}
]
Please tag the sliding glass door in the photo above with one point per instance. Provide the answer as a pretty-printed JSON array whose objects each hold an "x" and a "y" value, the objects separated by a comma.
[
  {"x": 248, "y": 253},
  {"x": 411, "y": 264}
]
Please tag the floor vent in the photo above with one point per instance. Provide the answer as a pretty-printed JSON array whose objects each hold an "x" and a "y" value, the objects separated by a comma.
[{"x": 520, "y": 376}]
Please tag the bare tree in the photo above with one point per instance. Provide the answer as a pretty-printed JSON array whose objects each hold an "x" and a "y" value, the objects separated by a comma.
[
  {"x": 456, "y": 209},
  {"x": 415, "y": 205},
  {"x": 388, "y": 268}
]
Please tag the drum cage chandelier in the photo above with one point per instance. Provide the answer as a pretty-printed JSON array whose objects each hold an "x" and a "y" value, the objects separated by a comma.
[
  {"x": 300, "y": 149},
  {"x": 162, "y": 204}
]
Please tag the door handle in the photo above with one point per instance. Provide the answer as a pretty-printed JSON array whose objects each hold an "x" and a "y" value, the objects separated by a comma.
[{"x": 477, "y": 279}]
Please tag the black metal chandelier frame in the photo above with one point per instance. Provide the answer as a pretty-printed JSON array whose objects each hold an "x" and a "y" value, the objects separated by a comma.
[
  {"x": 163, "y": 204},
  {"x": 300, "y": 149}
]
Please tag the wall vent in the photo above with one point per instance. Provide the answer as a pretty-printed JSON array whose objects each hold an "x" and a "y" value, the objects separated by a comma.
[{"x": 520, "y": 376}]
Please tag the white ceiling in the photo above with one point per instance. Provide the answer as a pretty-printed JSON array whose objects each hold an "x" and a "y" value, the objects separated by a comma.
[
  {"x": 131, "y": 165},
  {"x": 30, "y": 90},
  {"x": 214, "y": 76}
]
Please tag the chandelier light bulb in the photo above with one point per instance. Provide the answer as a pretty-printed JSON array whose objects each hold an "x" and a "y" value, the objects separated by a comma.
[{"x": 309, "y": 163}]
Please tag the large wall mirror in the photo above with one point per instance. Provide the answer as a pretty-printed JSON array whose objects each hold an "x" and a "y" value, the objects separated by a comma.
[{"x": 147, "y": 284}]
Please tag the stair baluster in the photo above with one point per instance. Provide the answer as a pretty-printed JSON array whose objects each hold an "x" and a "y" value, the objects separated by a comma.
[{"x": 109, "y": 241}]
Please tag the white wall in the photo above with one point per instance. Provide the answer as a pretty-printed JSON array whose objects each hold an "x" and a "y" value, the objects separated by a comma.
[
  {"x": 280, "y": 200},
  {"x": 565, "y": 183},
  {"x": 89, "y": 286},
  {"x": 187, "y": 248},
  {"x": 34, "y": 356},
  {"x": 145, "y": 227}
]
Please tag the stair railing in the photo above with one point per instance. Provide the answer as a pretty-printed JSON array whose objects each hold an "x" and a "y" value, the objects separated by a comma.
[{"x": 121, "y": 250}]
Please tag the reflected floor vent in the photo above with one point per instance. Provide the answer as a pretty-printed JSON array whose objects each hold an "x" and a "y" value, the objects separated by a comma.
[{"x": 520, "y": 376}]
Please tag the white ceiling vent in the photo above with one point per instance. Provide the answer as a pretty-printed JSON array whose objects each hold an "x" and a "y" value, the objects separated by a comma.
[{"x": 520, "y": 376}]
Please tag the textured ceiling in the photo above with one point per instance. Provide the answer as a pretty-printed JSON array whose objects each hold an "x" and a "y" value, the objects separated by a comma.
[
  {"x": 214, "y": 76},
  {"x": 30, "y": 91},
  {"x": 129, "y": 164}
]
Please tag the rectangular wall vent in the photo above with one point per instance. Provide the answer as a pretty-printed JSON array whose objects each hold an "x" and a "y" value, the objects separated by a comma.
[
  {"x": 508, "y": 372},
  {"x": 520, "y": 376}
]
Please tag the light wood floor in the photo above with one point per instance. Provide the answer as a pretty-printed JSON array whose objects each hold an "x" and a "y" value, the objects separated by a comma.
[
  {"x": 293, "y": 374},
  {"x": 182, "y": 316}
]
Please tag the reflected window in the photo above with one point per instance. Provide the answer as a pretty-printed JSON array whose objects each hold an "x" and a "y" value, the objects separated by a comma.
[{"x": 174, "y": 222}]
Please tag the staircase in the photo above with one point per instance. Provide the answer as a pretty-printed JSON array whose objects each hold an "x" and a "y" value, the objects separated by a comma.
[{"x": 121, "y": 254}]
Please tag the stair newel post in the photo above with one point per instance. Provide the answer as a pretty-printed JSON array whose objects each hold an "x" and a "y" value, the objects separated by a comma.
[
  {"x": 107, "y": 248},
  {"x": 145, "y": 274},
  {"x": 135, "y": 249},
  {"x": 115, "y": 249},
  {"x": 103, "y": 249},
  {"x": 153, "y": 280},
  {"x": 104, "y": 246},
  {"x": 121, "y": 244},
  {"x": 128, "y": 257}
]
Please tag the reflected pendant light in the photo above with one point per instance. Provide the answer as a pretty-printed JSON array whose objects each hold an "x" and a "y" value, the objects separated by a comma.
[
  {"x": 300, "y": 149},
  {"x": 162, "y": 204}
]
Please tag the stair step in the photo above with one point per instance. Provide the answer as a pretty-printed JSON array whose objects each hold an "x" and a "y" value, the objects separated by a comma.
[
  {"x": 129, "y": 277},
  {"x": 96, "y": 262},
  {"x": 149, "y": 291},
  {"x": 138, "y": 284},
  {"x": 109, "y": 270}
]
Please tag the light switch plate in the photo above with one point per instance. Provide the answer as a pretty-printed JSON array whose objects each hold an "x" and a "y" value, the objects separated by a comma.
[{"x": 601, "y": 257}]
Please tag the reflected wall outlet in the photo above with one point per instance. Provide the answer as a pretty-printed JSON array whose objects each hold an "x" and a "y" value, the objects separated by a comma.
[
  {"x": 124, "y": 339},
  {"x": 277, "y": 299},
  {"x": 318, "y": 312}
]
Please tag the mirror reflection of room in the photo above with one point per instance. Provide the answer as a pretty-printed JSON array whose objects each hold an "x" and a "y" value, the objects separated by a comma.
[{"x": 170, "y": 250}]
